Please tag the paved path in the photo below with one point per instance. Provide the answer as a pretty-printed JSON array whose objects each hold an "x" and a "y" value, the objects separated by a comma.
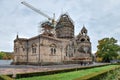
[{"x": 15, "y": 69}]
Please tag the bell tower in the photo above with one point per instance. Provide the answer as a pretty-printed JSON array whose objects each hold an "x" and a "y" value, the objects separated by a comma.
[
  {"x": 82, "y": 36},
  {"x": 83, "y": 46}
]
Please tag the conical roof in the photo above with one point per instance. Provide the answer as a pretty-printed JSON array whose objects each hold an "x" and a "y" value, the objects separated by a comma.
[{"x": 83, "y": 30}]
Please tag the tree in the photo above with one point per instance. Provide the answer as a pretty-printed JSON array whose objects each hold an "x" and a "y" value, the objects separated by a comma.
[
  {"x": 2, "y": 54},
  {"x": 118, "y": 57},
  {"x": 107, "y": 49},
  {"x": 6, "y": 56}
]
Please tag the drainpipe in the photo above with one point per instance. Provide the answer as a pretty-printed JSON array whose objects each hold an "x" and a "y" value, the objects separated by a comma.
[
  {"x": 39, "y": 51},
  {"x": 27, "y": 52}
]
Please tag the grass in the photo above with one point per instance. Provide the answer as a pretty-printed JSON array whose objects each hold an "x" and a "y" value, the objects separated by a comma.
[{"x": 69, "y": 75}]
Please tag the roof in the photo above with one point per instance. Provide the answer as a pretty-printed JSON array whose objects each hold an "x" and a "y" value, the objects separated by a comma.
[{"x": 41, "y": 36}]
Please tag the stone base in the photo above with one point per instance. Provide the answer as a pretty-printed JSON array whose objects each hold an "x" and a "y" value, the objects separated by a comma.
[
  {"x": 77, "y": 62},
  {"x": 53, "y": 63},
  {"x": 37, "y": 64}
]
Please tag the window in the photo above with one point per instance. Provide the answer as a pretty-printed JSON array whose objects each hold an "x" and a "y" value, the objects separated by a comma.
[
  {"x": 33, "y": 49},
  {"x": 34, "y": 46},
  {"x": 71, "y": 55},
  {"x": 66, "y": 54},
  {"x": 88, "y": 39},
  {"x": 69, "y": 50},
  {"x": 82, "y": 40},
  {"x": 23, "y": 49},
  {"x": 53, "y": 49}
]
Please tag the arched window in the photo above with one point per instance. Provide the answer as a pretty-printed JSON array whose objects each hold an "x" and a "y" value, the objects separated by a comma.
[
  {"x": 82, "y": 40},
  {"x": 69, "y": 50},
  {"x": 88, "y": 39},
  {"x": 34, "y": 48},
  {"x": 53, "y": 49},
  {"x": 23, "y": 49}
]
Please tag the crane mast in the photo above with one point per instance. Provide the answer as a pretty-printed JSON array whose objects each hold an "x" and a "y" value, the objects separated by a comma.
[{"x": 36, "y": 10}]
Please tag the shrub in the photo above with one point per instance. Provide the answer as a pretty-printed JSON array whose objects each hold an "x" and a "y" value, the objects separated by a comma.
[
  {"x": 4, "y": 77},
  {"x": 24, "y": 75},
  {"x": 98, "y": 75},
  {"x": 114, "y": 75}
]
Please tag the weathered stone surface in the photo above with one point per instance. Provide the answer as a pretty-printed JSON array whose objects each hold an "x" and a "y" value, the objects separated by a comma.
[{"x": 47, "y": 49}]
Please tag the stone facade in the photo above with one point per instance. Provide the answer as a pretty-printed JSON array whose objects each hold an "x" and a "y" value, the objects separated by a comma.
[{"x": 54, "y": 48}]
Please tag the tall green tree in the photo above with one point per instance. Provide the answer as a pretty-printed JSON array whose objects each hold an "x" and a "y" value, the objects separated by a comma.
[{"x": 107, "y": 49}]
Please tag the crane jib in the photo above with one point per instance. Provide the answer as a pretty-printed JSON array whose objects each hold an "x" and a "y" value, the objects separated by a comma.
[{"x": 36, "y": 10}]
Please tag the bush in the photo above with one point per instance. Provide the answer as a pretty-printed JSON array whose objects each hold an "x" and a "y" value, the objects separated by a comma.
[
  {"x": 98, "y": 75},
  {"x": 114, "y": 75},
  {"x": 4, "y": 77},
  {"x": 25, "y": 75}
]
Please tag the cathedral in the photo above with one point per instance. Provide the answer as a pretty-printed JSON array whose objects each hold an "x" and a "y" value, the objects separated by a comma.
[{"x": 57, "y": 44}]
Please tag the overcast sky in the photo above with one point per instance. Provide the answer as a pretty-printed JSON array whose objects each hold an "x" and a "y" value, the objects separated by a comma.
[{"x": 100, "y": 17}]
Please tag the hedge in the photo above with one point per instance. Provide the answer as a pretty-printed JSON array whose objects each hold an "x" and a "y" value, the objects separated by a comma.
[
  {"x": 31, "y": 74},
  {"x": 98, "y": 75},
  {"x": 4, "y": 77}
]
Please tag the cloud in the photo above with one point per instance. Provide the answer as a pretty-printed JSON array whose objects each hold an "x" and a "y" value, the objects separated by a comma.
[{"x": 101, "y": 18}]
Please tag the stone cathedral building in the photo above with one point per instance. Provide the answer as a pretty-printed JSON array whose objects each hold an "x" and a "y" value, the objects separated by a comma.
[{"x": 56, "y": 45}]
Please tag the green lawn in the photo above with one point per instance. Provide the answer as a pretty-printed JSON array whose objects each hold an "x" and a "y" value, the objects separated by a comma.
[{"x": 69, "y": 75}]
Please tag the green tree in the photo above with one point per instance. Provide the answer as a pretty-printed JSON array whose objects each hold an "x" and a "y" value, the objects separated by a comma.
[
  {"x": 6, "y": 56},
  {"x": 118, "y": 57},
  {"x": 2, "y": 55},
  {"x": 107, "y": 49}
]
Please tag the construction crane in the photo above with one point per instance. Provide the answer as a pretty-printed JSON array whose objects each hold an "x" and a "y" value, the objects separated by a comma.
[
  {"x": 40, "y": 12},
  {"x": 49, "y": 18}
]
